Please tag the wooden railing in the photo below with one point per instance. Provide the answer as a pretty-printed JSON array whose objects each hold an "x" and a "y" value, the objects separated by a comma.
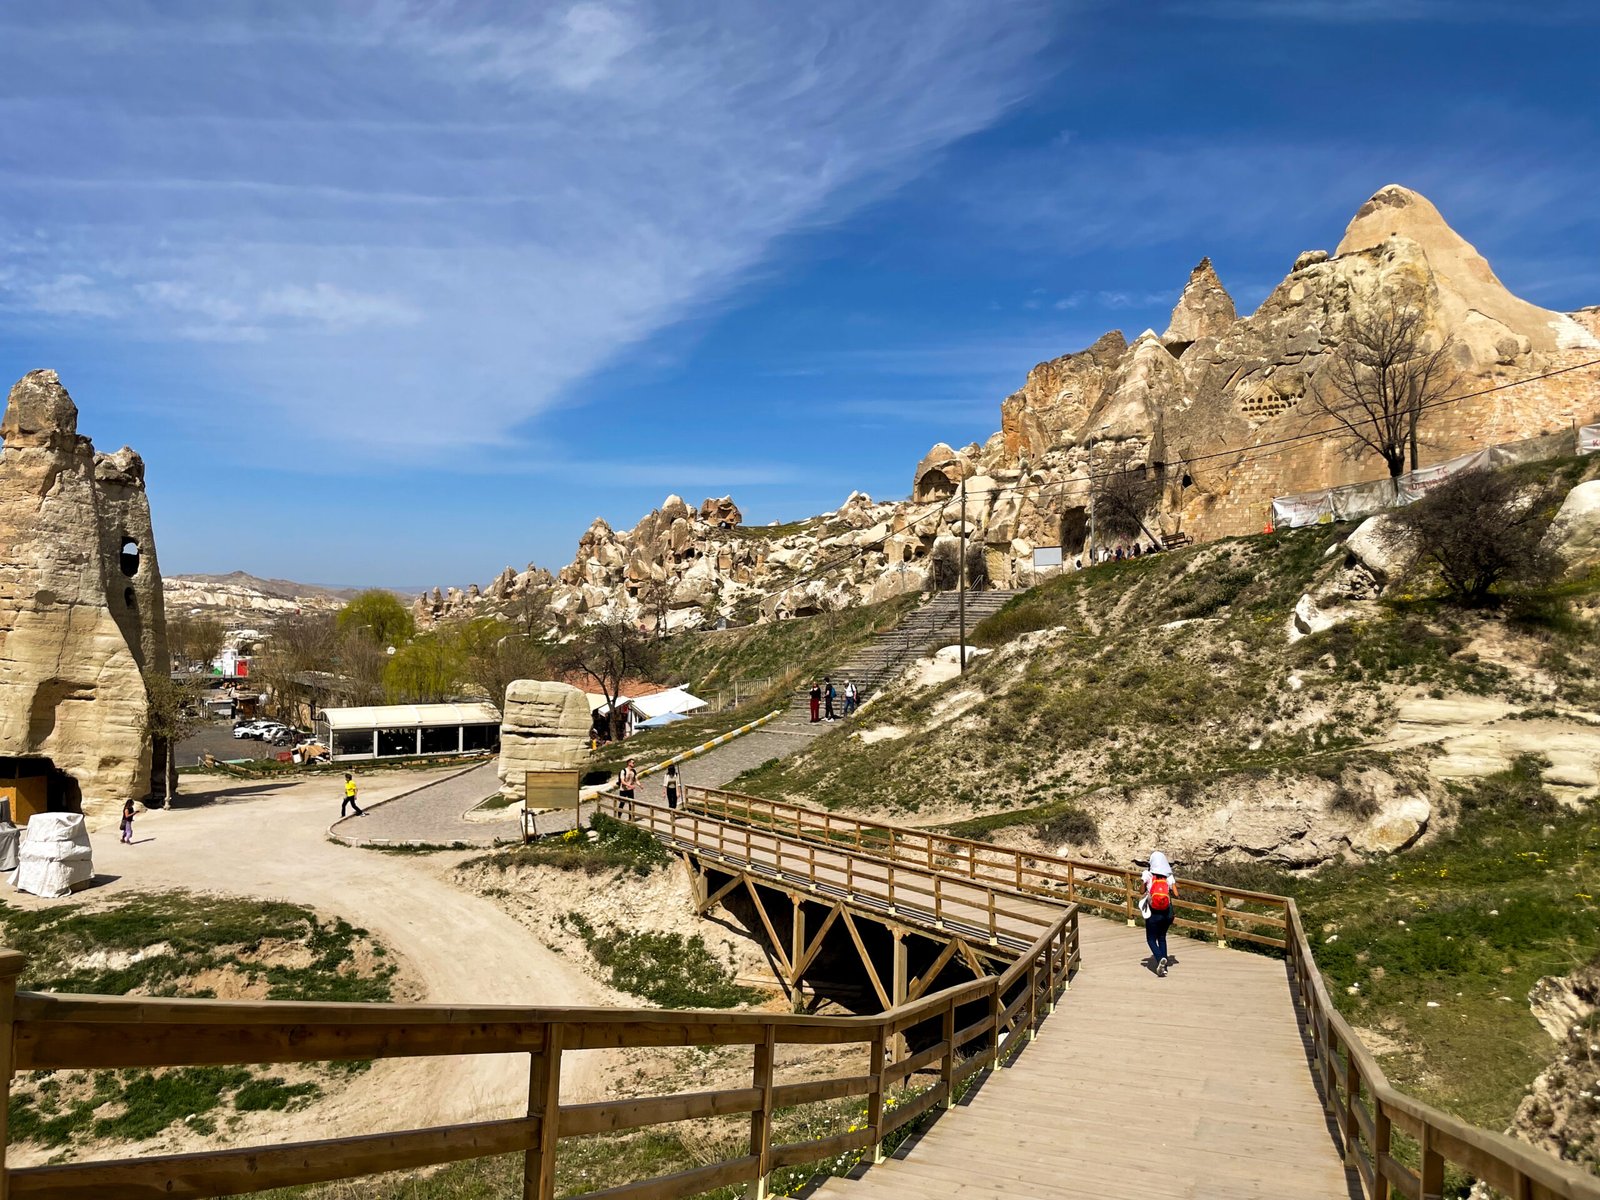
[
  {"x": 1365, "y": 1107},
  {"x": 1368, "y": 1111},
  {"x": 53, "y": 1032},
  {"x": 1224, "y": 913},
  {"x": 906, "y": 890}
]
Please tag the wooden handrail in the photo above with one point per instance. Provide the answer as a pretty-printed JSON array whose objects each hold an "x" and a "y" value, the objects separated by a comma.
[
  {"x": 43, "y": 1031},
  {"x": 1364, "y": 1106},
  {"x": 1096, "y": 886},
  {"x": 859, "y": 880}
]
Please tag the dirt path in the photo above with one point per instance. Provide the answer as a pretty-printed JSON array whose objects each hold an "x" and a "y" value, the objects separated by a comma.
[{"x": 270, "y": 840}]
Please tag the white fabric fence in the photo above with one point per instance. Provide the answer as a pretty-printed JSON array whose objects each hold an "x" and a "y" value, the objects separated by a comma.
[{"x": 1364, "y": 499}]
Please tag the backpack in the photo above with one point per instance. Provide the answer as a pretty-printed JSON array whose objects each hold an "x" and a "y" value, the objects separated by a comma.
[{"x": 1160, "y": 894}]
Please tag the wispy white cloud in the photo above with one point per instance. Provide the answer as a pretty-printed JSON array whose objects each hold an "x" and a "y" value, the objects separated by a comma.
[{"x": 418, "y": 227}]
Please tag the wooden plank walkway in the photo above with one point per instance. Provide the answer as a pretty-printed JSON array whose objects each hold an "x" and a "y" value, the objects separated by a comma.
[
  {"x": 1195, "y": 1085},
  {"x": 918, "y": 897}
]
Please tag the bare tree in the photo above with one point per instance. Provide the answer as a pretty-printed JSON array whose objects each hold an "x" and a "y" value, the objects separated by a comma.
[
  {"x": 1480, "y": 528},
  {"x": 609, "y": 652},
  {"x": 655, "y": 597},
  {"x": 1383, "y": 377},
  {"x": 492, "y": 669},
  {"x": 529, "y": 609},
  {"x": 194, "y": 641},
  {"x": 1122, "y": 500}
]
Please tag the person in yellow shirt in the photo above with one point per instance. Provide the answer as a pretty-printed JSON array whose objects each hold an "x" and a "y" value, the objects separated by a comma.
[{"x": 350, "y": 797}]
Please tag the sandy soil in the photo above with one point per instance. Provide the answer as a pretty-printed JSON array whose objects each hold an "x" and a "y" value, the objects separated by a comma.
[{"x": 270, "y": 840}]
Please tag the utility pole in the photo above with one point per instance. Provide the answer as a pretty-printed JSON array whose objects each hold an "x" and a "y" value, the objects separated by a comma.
[{"x": 961, "y": 595}]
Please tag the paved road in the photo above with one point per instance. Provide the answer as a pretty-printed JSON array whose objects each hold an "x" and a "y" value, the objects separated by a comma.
[
  {"x": 217, "y": 738},
  {"x": 785, "y": 736},
  {"x": 434, "y": 813}
]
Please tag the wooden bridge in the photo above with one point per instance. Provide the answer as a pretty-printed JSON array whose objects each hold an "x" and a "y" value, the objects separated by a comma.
[{"x": 1233, "y": 1076}]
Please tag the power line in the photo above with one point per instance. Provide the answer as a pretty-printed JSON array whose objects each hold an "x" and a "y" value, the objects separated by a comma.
[{"x": 1248, "y": 453}]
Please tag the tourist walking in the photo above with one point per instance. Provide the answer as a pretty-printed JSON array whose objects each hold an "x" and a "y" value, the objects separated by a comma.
[
  {"x": 849, "y": 696},
  {"x": 827, "y": 698},
  {"x": 673, "y": 783},
  {"x": 627, "y": 782},
  {"x": 1160, "y": 893},
  {"x": 127, "y": 821},
  {"x": 350, "y": 797},
  {"x": 816, "y": 702}
]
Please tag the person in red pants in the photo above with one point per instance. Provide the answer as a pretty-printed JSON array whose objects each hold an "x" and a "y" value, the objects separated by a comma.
[{"x": 816, "y": 702}]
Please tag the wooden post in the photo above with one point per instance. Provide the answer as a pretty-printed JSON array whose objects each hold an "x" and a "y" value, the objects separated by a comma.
[
  {"x": 996, "y": 1007},
  {"x": 761, "y": 1118},
  {"x": 1352, "y": 1097},
  {"x": 1432, "y": 1166},
  {"x": 1380, "y": 1150},
  {"x": 1222, "y": 928},
  {"x": 875, "y": 1107},
  {"x": 899, "y": 987},
  {"x": 544, "y": 1102},
  {"x": 1033, "y": 999},
  {"x": 11, "y": 964},
  {"x": 947, "y": 1069},
  {"x": 1128, "y": 906}
]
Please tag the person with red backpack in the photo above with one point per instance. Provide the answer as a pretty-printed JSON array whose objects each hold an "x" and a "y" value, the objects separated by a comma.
[{"x": 1157, "y": 907}]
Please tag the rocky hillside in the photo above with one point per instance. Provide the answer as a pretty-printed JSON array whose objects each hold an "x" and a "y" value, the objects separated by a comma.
[
  {"x": 1213, "y": 415},
  {"x": 1292, "y": 698},
  {"x": 241, "y": 599}
]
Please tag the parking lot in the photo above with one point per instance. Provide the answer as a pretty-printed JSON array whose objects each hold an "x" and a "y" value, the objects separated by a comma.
[{"x": 216, "y": 738}]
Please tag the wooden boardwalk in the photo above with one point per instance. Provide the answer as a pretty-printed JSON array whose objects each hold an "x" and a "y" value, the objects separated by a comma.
[{"x": 1195, "y": 1085}]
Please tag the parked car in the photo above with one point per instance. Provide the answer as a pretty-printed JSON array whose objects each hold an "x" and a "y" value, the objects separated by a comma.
[
  {"x": 285, "y": 735},
  {"x": 249, "y": 729}
]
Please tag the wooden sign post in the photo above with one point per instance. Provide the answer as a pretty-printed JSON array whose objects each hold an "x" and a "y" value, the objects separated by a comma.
[{"x": 548, "y": 791}]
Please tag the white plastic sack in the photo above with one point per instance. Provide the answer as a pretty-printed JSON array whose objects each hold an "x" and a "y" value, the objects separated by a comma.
[
  {"x": 10, "y": 837},
  {"x": 55, "y": 857}
]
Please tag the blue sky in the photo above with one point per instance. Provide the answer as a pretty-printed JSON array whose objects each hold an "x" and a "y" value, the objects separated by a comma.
[{"x": 400, "y": 293}]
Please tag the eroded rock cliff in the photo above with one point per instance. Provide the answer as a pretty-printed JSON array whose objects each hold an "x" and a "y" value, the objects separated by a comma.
[{"x": 81, "y": 612}]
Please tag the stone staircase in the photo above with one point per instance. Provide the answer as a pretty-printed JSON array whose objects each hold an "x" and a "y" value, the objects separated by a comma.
[{"x": 934, "y": 625}]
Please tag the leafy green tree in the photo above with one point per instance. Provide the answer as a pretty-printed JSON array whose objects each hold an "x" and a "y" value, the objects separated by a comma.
[
  {"x": 379, "y": 616},
  {"x": 172, "y": 713},
  {"x": 425, "y": 670}
]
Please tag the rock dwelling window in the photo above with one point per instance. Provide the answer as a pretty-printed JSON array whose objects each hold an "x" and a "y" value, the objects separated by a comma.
[{"x": 130, "y": 557}]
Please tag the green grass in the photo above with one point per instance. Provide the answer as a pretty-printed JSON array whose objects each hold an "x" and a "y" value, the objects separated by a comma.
[
  {"x": 1466, "y": 924},
  {"x": 91, "y": 950},
  {"x": 617, "y": 847},
  {"x": 1117, "y": 697},
  {"x": 784, "y": 650},
  {"x": 203, "y": 933},
  {"x": 668, "y": 969}
]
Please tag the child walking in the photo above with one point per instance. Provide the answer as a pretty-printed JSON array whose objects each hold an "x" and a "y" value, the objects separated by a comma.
[{"x": 127, "y": 821}]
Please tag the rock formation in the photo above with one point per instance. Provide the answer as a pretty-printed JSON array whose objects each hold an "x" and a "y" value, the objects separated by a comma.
[
  {"x": 1559, "y": 1112},
  {"x": 544, "y": 727},
  {"x": 1218, "y": 413},
  {"x": 81, "y": 612}
]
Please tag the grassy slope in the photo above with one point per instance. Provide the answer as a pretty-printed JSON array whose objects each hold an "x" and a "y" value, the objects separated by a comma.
[
  {"x": 1441, "y": 945},
  {"x": 73, "y": 949},
  {"x": 1100, "y": 693}
]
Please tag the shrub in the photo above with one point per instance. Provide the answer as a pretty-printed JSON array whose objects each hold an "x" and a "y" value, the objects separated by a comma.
[
  {"x": 1072, "y": 825},
  {"x": 1480, "y": 528}
]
